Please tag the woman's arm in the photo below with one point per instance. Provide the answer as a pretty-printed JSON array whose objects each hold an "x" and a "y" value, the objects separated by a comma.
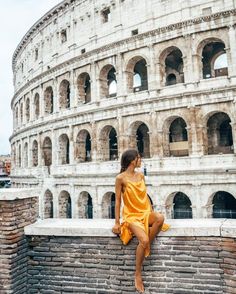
[{"x": 118, "y": 188}]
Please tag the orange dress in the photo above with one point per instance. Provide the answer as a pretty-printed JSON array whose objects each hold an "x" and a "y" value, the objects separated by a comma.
[{"x": 137, "y": 208}]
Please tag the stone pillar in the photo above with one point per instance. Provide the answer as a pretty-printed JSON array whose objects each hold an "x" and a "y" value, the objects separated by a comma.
[
  {"x": 55, "y": 96},
  {"x": 54, "y": 148},
  {"x": 41, "y": 101},
  {"x": 196, "y": 67},
  {"x": 151, "y": 70},
  {"x": 231, "y": 51},
  {"x": 71, "y": 142},
  {"x": 94, "y": 141},
  {"x": 94, "y": 83},
  {"x": 13, "y": 244},
  {"x": 233, "y": 126}
]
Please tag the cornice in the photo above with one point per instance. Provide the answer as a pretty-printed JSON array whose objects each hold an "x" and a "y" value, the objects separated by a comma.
[{"x": 116, "y": 44}]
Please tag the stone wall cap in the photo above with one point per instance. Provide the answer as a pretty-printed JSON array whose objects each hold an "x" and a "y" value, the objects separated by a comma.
[
  {"x": 10, "y": 194},
  {"x": 102, "y": 228}
]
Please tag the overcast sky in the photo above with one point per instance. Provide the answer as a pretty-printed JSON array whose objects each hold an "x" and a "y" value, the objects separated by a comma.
[{"x": 16, "y": 18}]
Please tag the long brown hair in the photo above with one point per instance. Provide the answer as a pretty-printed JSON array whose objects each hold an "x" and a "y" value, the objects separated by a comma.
[{"x": 127, "y": 157}]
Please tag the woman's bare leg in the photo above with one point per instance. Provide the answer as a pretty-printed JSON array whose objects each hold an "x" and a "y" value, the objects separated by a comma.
[
  {"x": 140, "y": 253},
  {"x": 156, "y": 221}
]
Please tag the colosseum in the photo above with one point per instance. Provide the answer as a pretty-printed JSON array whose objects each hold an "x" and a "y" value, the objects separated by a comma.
[{"x": 93, "y": 78}]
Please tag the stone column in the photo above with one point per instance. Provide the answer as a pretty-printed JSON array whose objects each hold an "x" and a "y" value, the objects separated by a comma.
[
  {"x": 233, "y": 126},
  {"x": 153, "y": 75},
  {"x": 94, "y": 141},
  {"x": 41, "y": 102},
  {"x": 231, "y": 51},
  {"x": 71, "y": 142},
  {"x": 54, "y": 148},
  {"x": 73, "y": 100},
  {"x": 94, "y": 83}
]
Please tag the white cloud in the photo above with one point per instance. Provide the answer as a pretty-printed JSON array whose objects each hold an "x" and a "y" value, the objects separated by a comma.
[{"x": 16, "y": 18}]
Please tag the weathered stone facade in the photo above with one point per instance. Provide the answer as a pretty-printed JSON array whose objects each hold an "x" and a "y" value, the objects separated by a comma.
[{"x": 92, "y": 80}]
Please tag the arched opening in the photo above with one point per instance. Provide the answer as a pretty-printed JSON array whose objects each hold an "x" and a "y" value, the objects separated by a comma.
[
  {"x": 25, "y": 155},
  {"x": 108, "y": 83},
  {"x": 84, "y": 87},
  {"x": 108, "y": 143},
  {"x": 219, "y": 134},
  {"x": 137, "y": 76},
  {"x": 36, "y": 106},
  {"x": 65, "y": 210},
  {"x": 64, "y": 94},
  {"x": 173, "y": 66},
  {"x": 178, "y": 138},
  {"x": 64, "y": 149},
  {"x": 48, "y": 100},
  {"x": 48, "y": 204},
  {"x": 108, "y": 205},
  {"x": 112, "y": 83},
  {"x": 113, "y": 146},
  {"x": 27, "y": 110},
  {"x": 85, "y": 205},
  {"x": 143, "y": 141},
  {"x": 182, "y": 206},
  {"x": 83, "y": 146},
  {"x": 47, "y": 151},
  {"x": 35, "y": 159},
  {"x": 140, "y": 74},
  {"x": 224, "y": 205},
  {"x": 214, "y": 60}
]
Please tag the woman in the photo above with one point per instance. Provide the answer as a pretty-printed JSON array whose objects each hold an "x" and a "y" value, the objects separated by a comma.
[{"x": 138, "y": 218}]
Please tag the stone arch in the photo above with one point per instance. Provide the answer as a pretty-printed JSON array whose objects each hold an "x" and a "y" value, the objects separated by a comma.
[
  {"x": 25, "y": 155},
  {"x": 108, "y": 143},
  {"x": 36, "y": 106},
  {"x": 84, "y": 87},
  {"x": 65, "y": 209},
  {"x": 108, "y": 205},
  {"x": 171, "y": 66},
  {"x": 137, "y": 74},
  {"x": 64, "y": 94},
  {"x": 219, "y": 134},
  {"x": 48, "y": 100},
  {"x": 85, "y": 205},
  {"x": 47, "y": 151},
  {"x": 108, "y": 82},
  {"x": 83, "y": 146},
  {"x": 48, "y": 204},
  {"x": 209, "y": 50},
  {"x": 175, "y": 137},
  {"x": 139, "y": 138},
  {"x": 180, "y": 206},
  {"x": 35, "y": 160},
  {"x": 27, "y": 110},
  {"x": 64, "y": 149},
  {"x": 223, "y": 205}
]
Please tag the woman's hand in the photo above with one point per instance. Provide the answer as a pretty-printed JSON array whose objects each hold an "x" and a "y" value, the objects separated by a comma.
[{"x": 116, "y": 229}]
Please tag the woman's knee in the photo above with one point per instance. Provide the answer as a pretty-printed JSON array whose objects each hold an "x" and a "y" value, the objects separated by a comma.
[
  {"x": 144, "y": 242},
  {"x": 160, "y": 218}
]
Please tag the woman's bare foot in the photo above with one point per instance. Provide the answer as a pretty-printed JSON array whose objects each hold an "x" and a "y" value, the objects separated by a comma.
[{"x": 139, "y": 283}]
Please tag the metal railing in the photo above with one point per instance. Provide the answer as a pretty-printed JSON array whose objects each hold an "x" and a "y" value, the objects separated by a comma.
[{"x": 224, "y": 213}]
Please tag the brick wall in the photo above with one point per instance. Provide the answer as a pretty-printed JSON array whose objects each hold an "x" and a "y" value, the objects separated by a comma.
[
  {"x": 83, "y": 256},
  {"x": 15, "y": 214},
  {"x": 178, "y": 264}
]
